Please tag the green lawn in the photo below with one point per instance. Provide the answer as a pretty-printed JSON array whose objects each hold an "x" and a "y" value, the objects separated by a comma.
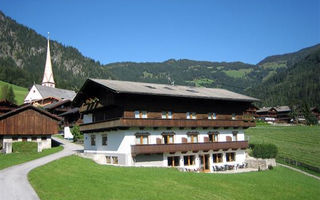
[
  {"x": 78, "y": 178},
  {"x": 301, "y": 143},
  {"x": 23, "y": 153},
  {"x": 20, "y": 92}
]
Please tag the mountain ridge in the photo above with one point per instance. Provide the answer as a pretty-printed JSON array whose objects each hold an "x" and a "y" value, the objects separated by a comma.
[{"x": 22, "y": 60}]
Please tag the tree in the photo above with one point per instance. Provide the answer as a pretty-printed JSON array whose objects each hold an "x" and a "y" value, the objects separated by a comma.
[
  {"x": 76, "y": 133},
  {"x": 7, "y": 93},
  {"x": 11, "y": 97},
  {"x": 310, "y": 118}
]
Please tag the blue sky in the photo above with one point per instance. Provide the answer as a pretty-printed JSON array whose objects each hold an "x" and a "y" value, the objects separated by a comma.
[{"x": 157, "y": 30}]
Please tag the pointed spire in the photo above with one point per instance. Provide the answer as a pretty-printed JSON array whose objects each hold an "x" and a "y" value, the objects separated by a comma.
[{"x": 48, "y": 73}]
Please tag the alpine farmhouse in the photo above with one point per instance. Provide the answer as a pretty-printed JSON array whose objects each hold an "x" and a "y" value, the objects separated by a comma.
[{"x": 144, "y": 124}]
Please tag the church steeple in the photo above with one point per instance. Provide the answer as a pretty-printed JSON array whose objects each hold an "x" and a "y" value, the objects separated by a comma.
[{"x": 48, "y": 74}]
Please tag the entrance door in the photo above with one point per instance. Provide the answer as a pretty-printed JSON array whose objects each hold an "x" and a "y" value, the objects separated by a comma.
[{"x": 205, "y": 165}]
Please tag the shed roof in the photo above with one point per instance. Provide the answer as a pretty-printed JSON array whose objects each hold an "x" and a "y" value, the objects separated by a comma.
[
  {"x": 55, "y": 92},
  {"x": 282, "y": 109},
  {"x": 172, "y": 90},
  {"x": 27, "y": 107}
]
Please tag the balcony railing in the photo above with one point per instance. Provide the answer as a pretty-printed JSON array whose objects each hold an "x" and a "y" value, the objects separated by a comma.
[
  {"x": 185, "y": 147},
  {"x": 133, "y": 122}
]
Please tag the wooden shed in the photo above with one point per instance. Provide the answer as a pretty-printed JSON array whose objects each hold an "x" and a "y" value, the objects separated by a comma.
[{"x": 28, "y": 123}]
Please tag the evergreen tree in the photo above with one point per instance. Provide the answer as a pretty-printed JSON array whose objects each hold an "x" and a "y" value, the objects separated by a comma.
[
  {"x": 7, "y": 93},
  {"x": 11, "y": 97}
]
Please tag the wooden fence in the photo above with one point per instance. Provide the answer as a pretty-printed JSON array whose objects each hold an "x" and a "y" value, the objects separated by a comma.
[{"x": 300, "y": 164}]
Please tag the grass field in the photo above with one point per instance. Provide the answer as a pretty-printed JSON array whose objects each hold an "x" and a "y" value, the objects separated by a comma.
[
  {"x": 20, "y": 92},
  {"x": 301, "y": 143},
  {"x": 23, "y": 152},
  {"x": 78, "y": 178}
]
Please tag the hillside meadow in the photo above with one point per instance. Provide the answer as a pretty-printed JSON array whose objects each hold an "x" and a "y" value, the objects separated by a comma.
[
  {"x": 19, "y": 92},
  {"x": 300, "y": 143}
]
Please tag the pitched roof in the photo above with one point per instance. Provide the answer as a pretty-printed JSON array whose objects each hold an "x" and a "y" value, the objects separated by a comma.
[
  {"x": 282, "y": 109},
  {"x": 26, "y": 107},
  {"x": 56, "y": 104},
  {"x": 55, "y": 92},
  {"x": 170, "y": 90},
  {"x": 264, "y": 109}
]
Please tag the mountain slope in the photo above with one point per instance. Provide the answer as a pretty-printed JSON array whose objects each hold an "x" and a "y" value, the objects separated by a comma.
[
  {"x": 19, "y": 92},
  {"x": 299, "y": 83},
  {"x": 22, "y": 58}
]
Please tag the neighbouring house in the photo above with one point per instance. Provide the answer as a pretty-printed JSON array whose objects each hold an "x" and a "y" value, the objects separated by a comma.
[
  {"x": 27, "y": 123},
  {"x": 268, "y": 114},
  {"x": 316, "y": 112},
  {"x": 280, "y": 114},
  {"x": 283, "y": 114},
  {"x": 144, "y": 124},
  {"x": 70, "y": 119},
  {"x": 6, "y": 106}
]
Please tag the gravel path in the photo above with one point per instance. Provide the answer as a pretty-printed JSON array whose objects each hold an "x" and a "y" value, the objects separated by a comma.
[
  {"x": 298, "y": 170},
  {"x": 14, "y": 184}
]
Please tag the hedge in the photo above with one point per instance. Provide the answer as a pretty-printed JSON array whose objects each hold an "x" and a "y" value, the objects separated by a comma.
[{"x": 264, "y": 150}]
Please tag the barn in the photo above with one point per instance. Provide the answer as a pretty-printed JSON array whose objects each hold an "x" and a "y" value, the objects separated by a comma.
[{"x": 27, "y": 123}]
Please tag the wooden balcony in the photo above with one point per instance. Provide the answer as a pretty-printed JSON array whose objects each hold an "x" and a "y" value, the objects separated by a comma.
[
  {"x": 184, "y": 147},
  {"x": 186, "y": 123}
]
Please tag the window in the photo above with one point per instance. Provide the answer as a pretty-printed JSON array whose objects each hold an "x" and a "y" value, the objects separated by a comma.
[
  {"x": 33, "y": 138},
  {"x": 173, "y": 161},
  {"x": 108, "y": 159},
  {"x": 136, "y": 114},
  {"x": 93, "y": 140},
  {"x": 142, "y": 139},
  {"x": 235, "y": 136},
  {"x": 144, "y": 114},
  {"x": 189, "y": 160},
  {"x": 213, "y": 136},
  {"x": 140, "y": 114},
  {"x": 42, "y": 138},
  {"x": 233, "y": 116},
  {"x": 217, "y": 157},
  {"x": 191, "y": 115},
  {"x": 212, "y": 116},
  {"x": 114, "y": 160},
  {"x": 15, "y": 138},
  {"x": 166, "y": 115},
  {"x": 104, "y": 140},
  {"x": 230, "y": 157},
  {"x": 193, "y": 137},
  {"x": 168, "y": 138}
]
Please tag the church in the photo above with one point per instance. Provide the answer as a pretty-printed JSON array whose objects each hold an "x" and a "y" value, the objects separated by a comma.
[{"x": 47, "y": 93}]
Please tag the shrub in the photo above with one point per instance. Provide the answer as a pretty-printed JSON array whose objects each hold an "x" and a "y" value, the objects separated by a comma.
[
  {"x": 76, "y": 133},
  {"x": 270, "y": 167},
  {"x": 265, "y": 151}
]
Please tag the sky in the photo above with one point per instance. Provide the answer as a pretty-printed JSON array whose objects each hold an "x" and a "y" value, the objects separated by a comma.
[{"x": 157, "y": 30}]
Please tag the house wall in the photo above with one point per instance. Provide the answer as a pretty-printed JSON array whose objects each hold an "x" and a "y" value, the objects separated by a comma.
[
  {"x": 119, "y": 144},
  {"x": 33, "y": 94},
  {"x": 28, "y": 122}
]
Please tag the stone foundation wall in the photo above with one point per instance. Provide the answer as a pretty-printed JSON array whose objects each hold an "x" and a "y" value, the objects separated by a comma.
[{"x": 259, "y": 163}]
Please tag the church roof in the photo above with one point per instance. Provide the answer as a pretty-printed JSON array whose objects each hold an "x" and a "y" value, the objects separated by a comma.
[
  {"x": 55, "y": 92},
  {"x": 172, "y": 90}
]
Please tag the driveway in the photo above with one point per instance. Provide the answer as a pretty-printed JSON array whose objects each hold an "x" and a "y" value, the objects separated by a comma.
[{"x": 14, "y": 184}]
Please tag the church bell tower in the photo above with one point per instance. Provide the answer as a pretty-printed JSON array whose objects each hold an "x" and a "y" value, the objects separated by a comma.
[{"x": 48, "y": 73}]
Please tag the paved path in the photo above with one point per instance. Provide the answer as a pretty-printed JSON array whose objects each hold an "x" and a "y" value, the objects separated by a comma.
[
  {"x": 298, "y": 170},
  {"x": 14, "y": 184}
]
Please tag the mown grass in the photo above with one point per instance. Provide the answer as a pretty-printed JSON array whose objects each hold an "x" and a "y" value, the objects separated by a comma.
[
  {"x": 19, "y": 92},
  {"x": 78, "y": 178},
  {"x": 24, "y": 152},
  {"x": 300, "y": 143}
]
